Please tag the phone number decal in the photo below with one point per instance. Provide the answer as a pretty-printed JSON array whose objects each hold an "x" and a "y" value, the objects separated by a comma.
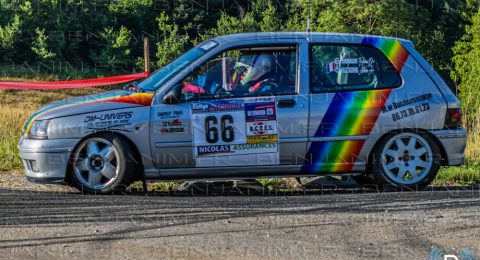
[{"x": 410, "y": 111}]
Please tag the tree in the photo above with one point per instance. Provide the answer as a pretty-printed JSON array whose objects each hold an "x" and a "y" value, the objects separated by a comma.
[
  {"x": 40, "y": 46},
  {"x": 173, "y": 43},
  {"x": 9, "y": 35},
  {"x": 432, "y": 28},
  {"x": 116, "y": 52},
  {"x": 262, "y": 16},
  {"x": 76, "y": 31},
  {"x": 467, "y": 71}
]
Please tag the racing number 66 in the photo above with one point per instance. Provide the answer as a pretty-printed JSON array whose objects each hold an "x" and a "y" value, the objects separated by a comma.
[{"x": 228, "y": 132}]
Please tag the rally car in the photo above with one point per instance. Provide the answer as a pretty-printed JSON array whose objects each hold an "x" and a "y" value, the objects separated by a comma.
[{"x": 258, "y": 105}]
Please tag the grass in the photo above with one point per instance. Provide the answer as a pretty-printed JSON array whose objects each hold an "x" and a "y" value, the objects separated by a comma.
[
  {"x": 53, "y": 71},
  {"x": 17, "y": 106},
  {"x": 286, "y": 184},
  {"x": 469, "y": 173},
  {"x": 156, "y": 186}
]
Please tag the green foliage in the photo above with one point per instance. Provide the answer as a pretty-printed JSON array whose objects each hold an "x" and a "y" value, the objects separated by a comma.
[
  {"x": 9, "y": 33},
  {"x": 263, "y": 16},
  {"x": 425, "y": 25},
  {"x": 468, "y": 174},
  {"x": 40, "y": 46},
  {"x": 266, "y": 13},
  {"x": 173, "y": 44},
  {"x": 116, "y": 51},
  {"x": 467, "y": 71},
  {"x": 110, "y": 32}
]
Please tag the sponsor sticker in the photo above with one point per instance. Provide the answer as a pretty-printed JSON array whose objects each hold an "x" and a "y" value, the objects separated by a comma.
[
  {"x": 216, "y": 106},
  {"x": 260, "y": 99},
  {"x": 108, "y": 121},
  {"x": 172, "y": 126},
  {"x": 174, "y": 122},
  {"x": 255, "y": 148},
  {"x": 260, "y": 111},
  {"x": 261, "y": 128},
  {"x": 213, "y": 149},
  {"x": 238, "y": 149},
  {"x": 172, "y": 130},
  {"x": 261, "y": 139},
  {"x": 229, "y": 131},
  {"x": 360, "y": 65},
  {"x": 108, "y": 117},
  {"x": 170, "y": 114},
  {"x": 261, "y": 121}
]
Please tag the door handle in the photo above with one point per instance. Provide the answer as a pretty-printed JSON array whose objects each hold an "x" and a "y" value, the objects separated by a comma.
[{"x": 285, "y": 103}]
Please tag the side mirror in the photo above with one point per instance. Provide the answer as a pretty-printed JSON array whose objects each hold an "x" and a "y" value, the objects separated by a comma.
[{"x": 174, "y": 95}]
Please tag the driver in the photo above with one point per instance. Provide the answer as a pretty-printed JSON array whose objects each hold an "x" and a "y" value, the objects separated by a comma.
[
  {"x": 256, "y": 77},
  {"x": 248, "y": 78}
]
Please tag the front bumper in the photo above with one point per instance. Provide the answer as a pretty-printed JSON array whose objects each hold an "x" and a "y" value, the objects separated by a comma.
[
  {"x": 46, "y": 161},
  {"x": 454, "y": 143}
]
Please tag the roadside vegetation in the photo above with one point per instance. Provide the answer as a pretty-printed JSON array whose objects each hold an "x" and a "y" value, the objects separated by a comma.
[
  {"x": 15, "y": 108},
  {"x": 84, "y": 40}
]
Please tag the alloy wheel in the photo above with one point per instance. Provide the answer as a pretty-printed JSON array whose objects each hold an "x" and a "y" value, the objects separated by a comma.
[
  {"x": 407, "y": 158},
  {"x": 96, "y": 163}
]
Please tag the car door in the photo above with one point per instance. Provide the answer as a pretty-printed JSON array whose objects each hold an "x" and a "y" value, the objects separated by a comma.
[
  {"x": 292, "y": 112},
  {"x": 349, "y": 86},
  {"x": 172, "y": 129},
  {"x": 226, "y": 120},
  {"x": 171, "y": 135}
]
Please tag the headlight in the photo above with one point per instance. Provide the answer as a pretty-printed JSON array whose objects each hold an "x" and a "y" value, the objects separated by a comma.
[{"x": 39, "y": 130}]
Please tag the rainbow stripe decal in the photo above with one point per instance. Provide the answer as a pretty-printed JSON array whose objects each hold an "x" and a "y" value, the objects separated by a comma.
[
  {"x": 392, "y": 48},
  {"x": 350, "y": 114},
  {"x": 142, "y": 99}
]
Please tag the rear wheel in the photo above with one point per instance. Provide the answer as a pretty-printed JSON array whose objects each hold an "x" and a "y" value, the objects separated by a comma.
[
  {"x": 102, "y": 164},
  {"x": 406, "y": 160}
]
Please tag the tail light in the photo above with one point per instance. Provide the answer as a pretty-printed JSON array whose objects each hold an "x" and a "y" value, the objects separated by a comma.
[{"x": 453, "y": 119}]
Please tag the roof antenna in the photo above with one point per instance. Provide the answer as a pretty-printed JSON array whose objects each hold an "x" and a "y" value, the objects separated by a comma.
[{"x": 308, "y": 19}]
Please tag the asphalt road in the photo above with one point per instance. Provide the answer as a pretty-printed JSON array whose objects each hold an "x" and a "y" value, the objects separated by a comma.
[{"x": 350, "y": 224}]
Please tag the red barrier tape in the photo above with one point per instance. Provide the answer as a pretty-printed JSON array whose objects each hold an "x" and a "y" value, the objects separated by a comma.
[{"x": 83, "y": 83}]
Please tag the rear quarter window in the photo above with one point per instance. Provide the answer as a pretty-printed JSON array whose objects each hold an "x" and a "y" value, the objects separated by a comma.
[{"x": 350, "y": 67}]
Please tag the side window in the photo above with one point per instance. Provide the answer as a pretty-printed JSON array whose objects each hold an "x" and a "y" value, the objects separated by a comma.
[
  {"x": 246, "y": 72},
  {"x": 337, "y": 68}
]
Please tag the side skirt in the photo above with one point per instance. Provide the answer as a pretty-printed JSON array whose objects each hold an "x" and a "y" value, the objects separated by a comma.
[{"x": 246, "y": 172}]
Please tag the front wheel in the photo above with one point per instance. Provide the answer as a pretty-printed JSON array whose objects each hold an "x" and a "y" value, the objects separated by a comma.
[
  {"x": 407, "y": 160},
  {"x": 102, "y": 164}
]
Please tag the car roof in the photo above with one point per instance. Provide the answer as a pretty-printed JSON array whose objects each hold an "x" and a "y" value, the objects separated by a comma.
[{"x": 312, "y": 36}]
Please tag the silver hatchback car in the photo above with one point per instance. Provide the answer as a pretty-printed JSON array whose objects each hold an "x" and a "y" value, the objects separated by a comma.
[{"x": 258, "y": 105}]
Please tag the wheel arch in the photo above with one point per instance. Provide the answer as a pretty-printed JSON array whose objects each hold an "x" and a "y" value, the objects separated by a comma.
[{"x": 443, "y": 153}]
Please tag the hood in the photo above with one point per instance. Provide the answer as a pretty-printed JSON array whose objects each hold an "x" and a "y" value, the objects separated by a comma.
[{"x": 91, "y": 103}]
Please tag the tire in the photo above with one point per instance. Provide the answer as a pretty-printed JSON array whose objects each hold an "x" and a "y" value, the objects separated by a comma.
[
  {"x": 405, "y": 161},
  {"x": 102, "y": 164}
]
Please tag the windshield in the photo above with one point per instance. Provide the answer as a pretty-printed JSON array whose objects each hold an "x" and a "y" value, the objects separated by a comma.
[{"x": 159, "y": 77}]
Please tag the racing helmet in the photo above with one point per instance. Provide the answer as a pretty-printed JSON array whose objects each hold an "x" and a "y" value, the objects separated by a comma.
[{"x": 261, "y": 65}]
